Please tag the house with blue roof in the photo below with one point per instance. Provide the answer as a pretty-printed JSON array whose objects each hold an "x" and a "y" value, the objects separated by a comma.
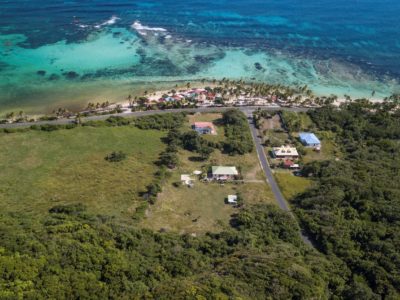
[{"x": 309, "y": 139}]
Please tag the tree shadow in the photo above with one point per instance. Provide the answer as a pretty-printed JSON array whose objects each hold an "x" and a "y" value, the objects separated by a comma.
[
  {"x": 196, "y": 159},
  {"x": 234, "y": 222},
  {"x": 218, "y": 122}
]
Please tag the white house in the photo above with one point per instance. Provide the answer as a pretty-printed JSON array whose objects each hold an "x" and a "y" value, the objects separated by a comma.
[
  {"x": 224, "y": 173},
  {"x": 285, "y": 152}
]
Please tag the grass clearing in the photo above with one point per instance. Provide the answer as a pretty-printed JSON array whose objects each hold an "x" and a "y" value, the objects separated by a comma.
[
  {"x": 215, "y": 118},
  {"x": 291, "y": 185},
  {"x": 329, "y": 149},
  {"x": 305, "y": 121},
  {"x": 202, "y": 208},
  {"x": 43, "y": 169}
]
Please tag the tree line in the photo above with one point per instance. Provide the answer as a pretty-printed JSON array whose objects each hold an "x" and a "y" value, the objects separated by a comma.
[{"x": 353, "y": 212}]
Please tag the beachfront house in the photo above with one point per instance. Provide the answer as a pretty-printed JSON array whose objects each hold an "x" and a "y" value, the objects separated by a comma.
[
  {"x": 224, "y": 173},
  {"x": 204, "y": 128},
  {"x": 309, "y": 139},
  {"x": 285, "y": 152}
]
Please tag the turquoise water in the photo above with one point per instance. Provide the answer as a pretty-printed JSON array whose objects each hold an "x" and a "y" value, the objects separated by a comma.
[{"x": 66, "y": 53}]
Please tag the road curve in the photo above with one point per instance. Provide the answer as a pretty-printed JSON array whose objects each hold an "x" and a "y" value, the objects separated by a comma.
[{"x": 270, "y": 176}]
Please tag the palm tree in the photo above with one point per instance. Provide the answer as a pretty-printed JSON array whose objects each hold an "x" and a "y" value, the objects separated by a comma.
[
  {"x": 10, "y": 115},
  {"x": 78, "y": 119},
  {"x": 129, "y": 100}
]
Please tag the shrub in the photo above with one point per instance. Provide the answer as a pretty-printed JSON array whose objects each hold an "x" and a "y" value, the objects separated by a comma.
[
  {"x": 161, "y": 122},
  {"x": 115, "y": 156},
  {"x": 70, "y": 209},
  {"x": 49, "y": 127},
  {"x": 117, "y": 121}
]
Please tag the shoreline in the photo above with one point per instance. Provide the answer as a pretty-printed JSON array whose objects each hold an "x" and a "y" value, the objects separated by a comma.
[{"x": 153, "y": 92}]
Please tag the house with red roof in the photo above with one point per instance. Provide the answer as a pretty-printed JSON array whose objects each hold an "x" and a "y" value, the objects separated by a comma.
[{"x": 204, "y": 128}]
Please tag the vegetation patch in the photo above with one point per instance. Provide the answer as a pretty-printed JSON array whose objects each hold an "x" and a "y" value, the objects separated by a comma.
[
  {"x": 238, "y": 137},
  {"x": 43, "y": 169},
  {"x": 353, "y": 212},
  {"x": 291, "y": 185},
  {"x": 116, "y": 156}
]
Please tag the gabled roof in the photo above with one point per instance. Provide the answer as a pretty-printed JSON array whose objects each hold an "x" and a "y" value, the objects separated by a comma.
[
  {"x": 221, "y": 170},
  {"x": 309, "y": 138}
]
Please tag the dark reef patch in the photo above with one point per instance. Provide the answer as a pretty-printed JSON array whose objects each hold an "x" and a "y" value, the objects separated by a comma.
[
  {"x": 87, "y": 76},
  {"x": 193, "y": 69},
  {"x": 71, "y": 75},
  {"x": 41, "y": 73},
  {"x": 258, "y": 66},
  {"x": 203, "y": 59},
  {"x": 53, "y": 77},
  {"x": 3, "y": 66}
]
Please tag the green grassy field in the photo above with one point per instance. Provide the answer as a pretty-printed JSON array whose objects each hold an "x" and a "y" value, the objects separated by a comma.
[
  {"x": 305, "y": 121},
  {"x": 214, "y": 118},
  {"x": 43, "y": 169},
  {"x": 329, "y": 149},
  {"x": 202, "y": 208},
  {"x": 291, "y": 185}
]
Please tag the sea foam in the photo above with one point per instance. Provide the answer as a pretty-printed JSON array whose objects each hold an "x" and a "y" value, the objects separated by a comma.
[
  {"x": 111, "y": 21},
  {"x": 142, "y": 30}
]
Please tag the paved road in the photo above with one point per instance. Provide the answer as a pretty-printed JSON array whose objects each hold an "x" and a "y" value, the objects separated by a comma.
[
  {"x": 269, "y": 175},
  {"x": 245, "y": 109}
]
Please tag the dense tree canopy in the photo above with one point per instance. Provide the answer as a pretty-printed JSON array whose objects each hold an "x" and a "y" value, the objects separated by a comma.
[
  {"x": 238, "y": 138},
  {"x": 354, "y": 211},
  {"x": 72, "y": 254}
]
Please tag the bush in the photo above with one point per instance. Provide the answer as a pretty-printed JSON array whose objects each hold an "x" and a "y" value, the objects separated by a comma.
[
  {"x": 177, "y": 184},
  {"x": 161, "y": 121},
  {"x": 115, "y": 156},
  {"x": 118, "y": 121},
  {"x": 71, "y": 209}
]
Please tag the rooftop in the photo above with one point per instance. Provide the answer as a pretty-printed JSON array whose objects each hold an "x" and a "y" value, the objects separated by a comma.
[
  {"x": 232, "y": 199},
  {"x": 221, "y": 170},
  {"x": 285, "y": 151},
  {"x": 309, "y": 138},
  {"x": 203, "y": 124}
]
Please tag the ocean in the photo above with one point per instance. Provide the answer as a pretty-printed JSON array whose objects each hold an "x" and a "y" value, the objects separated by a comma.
[{"x": 66, "y": 53}]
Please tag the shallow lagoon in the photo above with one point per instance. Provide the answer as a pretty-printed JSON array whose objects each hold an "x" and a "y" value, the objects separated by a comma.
[{"x": 98, "y": 52}]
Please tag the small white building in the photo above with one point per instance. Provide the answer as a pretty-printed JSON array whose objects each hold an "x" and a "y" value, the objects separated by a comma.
[
  {"x": 224, "y": 173},
  {"x": 232, "y": 199},
  {"x": 186, "y": 179}
]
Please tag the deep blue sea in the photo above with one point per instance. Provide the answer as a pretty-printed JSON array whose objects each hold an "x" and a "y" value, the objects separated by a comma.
[{"x": 56, "y": 53}]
